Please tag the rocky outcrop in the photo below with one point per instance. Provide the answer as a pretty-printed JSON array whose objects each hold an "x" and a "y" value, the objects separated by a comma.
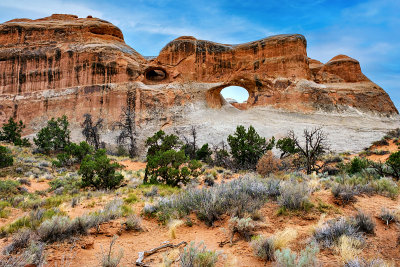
[{"x": 63, "y": 64}]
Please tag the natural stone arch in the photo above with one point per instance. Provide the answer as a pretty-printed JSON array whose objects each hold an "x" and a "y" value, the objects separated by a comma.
[{"x": 216, "y": 100}]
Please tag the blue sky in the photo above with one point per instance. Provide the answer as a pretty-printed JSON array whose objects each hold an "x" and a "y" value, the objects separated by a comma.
[{"x": 368, "y": 31}]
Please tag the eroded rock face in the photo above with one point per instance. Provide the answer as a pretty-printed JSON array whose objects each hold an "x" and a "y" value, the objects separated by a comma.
[{"x": 63, "y": 64}]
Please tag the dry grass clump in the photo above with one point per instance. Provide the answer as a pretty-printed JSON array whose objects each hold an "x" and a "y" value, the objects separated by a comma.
[
  {"x": 268, "y": 164},
  {"x": 349, "y": 248},
  {"x": 173, "y": 225},
  {"x": 329, "y": 234},
  {"x": 264, "y": 248},
  {"x": 345, "y": 193},
  {"x": 108, "y": 259}
]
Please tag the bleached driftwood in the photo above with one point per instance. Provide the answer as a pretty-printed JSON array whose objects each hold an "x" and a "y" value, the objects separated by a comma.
[{"x": 143, "y": 254}]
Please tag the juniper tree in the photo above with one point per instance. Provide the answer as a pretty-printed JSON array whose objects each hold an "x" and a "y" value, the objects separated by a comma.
[{"x": 91, "y": 131}]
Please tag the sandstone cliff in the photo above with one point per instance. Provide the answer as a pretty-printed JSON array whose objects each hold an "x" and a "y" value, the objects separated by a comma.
[{"x": 63, "y": 64}]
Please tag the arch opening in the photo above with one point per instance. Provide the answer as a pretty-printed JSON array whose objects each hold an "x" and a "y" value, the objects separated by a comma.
[
  {"x": 237, "y": 96},
  {"x": 155, "y": 74}
]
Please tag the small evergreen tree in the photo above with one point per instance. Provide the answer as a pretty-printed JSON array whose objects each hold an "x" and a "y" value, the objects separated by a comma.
[
  {"x": 73, "y": 154},
  {"x": 287, "y": 147},
  {"x": 167, "y": 162},
  {"x": 247, "y": 147},
  {"x": 54, "y": 137},
  {"x": 6, "y": 158},
  {"x": 394, "y": 163},
  {"x": 12, "y": 132},
  {"x": 204, "y": 153},
  {"x": 98, "y": 171}
]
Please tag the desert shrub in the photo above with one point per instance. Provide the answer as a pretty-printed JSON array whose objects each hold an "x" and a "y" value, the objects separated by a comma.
[
  {"x": 387, "y": 216},
  {"x": 363, "y": 223},
  {"x": 328, "y": 235},
  {"x": 382, "y": 142},
  {"x": 198, "y": 256},
  {"x": 360, "y": 262},
  {"x": 242, "y": 226},
  {"x": 60, "y": 227},
  {"x": 247, "y": 147},
  {"x": 345, "y": 193},
  {"x": 165, "y": 163},
  {"x": 236, "y": 198},
  {"x": 268, "y": 164},
  {"x": 68, "y": 183},
  {"x": 33, "y": 255},
  {"x": 263, "y": 248},
  {"x": 53, "y": 137},
  {"x": 19, "y": 241},
  {"x": 394, "y": 163},
  {"x": 98, "y": 171},
  {"x": 108, "y": 259},
  {"x": 133, "y": 223},
  {"x": 294, "y": 196},
  {"x": 392, "y": 134},
  {"x": 386, "y": 187},
  {"x": 8, "y": 189},
  {"x": 6, "y": 159},
  {"x": 12, "y": 132},
  {"x": 307, "y": 257}
]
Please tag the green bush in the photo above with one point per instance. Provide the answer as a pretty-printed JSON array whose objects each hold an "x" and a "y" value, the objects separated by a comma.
[
  {"x": 6, "y": 158},
  {"x": 394, "y": 163},
  {"x": 12, "y": 132},
  {"x": 53, "y": 137},
  {"x": 204, "y": 153},
  {"x": 98, "y": 171},
  {"x": 165, "y": 163},
  {"x": 357, "y": 165},
  {"x": 247, "y": 147},
  {"x": 73, "y": 154},
  {"x": 8, "y": 188},
  {"x": 287, "y": 146}
]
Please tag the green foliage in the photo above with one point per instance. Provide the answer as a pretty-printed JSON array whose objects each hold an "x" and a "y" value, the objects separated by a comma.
[
  {"x": 53, "y": 137},
  {"x": 247, "y": 147},
  {"x": 394, "y": 163},
  {"x": 98, "y": 171},
  {"x": 307, "y": 257},
  {"x": 6, "y": 158},
  {"x": 12, "y": 132},
  {"x": 73, "y": 154},
  {"x": 287, "y": 146},
  {"x": 8, "y": 188},
  {"x": 356, "y": 165},
  {"x": 204, "y": 153},
  {"x": 165, "y": 164}
]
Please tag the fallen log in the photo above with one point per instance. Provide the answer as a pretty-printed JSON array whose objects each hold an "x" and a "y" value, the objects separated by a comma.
[{"x": 143, "y": 254}]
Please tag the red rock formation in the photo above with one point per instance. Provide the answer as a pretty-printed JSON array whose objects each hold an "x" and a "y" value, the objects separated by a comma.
[{"x": 63, "y": 64}]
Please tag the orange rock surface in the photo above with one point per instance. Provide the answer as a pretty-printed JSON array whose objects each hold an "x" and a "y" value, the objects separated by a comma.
[{"x": 63, "y": 64}]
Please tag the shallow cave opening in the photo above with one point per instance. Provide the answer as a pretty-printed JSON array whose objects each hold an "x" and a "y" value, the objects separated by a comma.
[
  {"x": 236, "y": 96},
  {"x": 155, "y": 75}
]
